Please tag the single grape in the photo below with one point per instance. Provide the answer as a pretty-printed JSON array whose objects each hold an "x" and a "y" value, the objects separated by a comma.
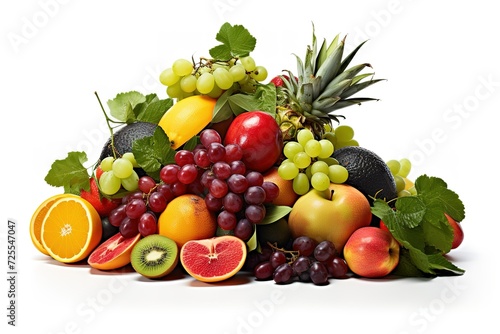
[
  {"x": 206, "y": 178},
  {"x": 222, "y": 170},
  {"x": 129, "y": 228},
  {"x": 216, "y": 152},
  {"x": 272, "y": 191},
  {"x": 184, "y": 157},
  {"x": 319, "y": 166},
  {"x": 135, "y": 208},
  {"x": 318, "y": 273},
  {"x": 232, "y": 202},
  {"x": 182, "y": 67},
  {"x": 237, "y": 72},
  {"x": 130, "y": 157},
  {"x": 277, "y": 258},
  {"x": 178, "y": 188},
  {"x": 303, "y": 136},
  {"x": 291, "y": 148},
  {"x": 301, "y": 184},
  {"x": 327, "y": 148},
  {"x": 259, "y": 73},
  {"x": 147, "y": 224},
  {"x": 109, "y": 183},
  {"x": 213, "y": 203},
  {"x": 216, "y": 92},
  {"x": 188, "y": 83},
  {"x": 117, "y": 215},
  {"x": 175, "y": 91},
  {"x": 166, "y": 191},
  {"x": 337, "y": 268},
  {"x": 320, "y": 181},
  {"x": 201, "y": 158},
  {"x": 394, "y": 166},
  {"x": 209, "y": 136},
  {"x": 283, "y": 273},
  {"x": 157, "y": 202},
  {"x": 344, "y": 133},
  {"x": 405, "y": 167},
  {"x": 338, "y": 173},
  {"x": 400, "y": 183},
  {"x": 233, "y": 153},
  {"x": 255, "y": 195},
  {"x": 146, "y": 184},
  {"x": 304, "y": 245},
  {"x": 187, "y": 174},
  {"x": 255, "y": 178},
  {"x": 244, "y": 229},
  {"x": 248, "y": 63},
  {"x": 255, "y": 213},
  {"x": 131, "y": 183},
  {"x": 237, "y": 183},
  {"x": 288, "y": 170},
  {"x": 107, "y": 164},
  {"x": 301, "y": 264},
  {"x": 218, "y": 188},
  {"x": 238, "y": 167},
  {"x": 324, "y": 251},
  {"x": 223, "y": 78},
  {"x": 312, "y": 148},
  {"x": 168, "y": 77},
  {"x": 122, "y": 168},
  {"x": 226, "y": 220},
  {"x": 263, "y": 271},
  {"x": 302, "y": 160},
  {"x": 168, "y": 173},
  {"x": 205, "y": 83}
]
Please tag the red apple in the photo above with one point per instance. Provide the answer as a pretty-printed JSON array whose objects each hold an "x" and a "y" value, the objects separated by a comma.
[
  {"x": 333, "y": 214},
  {"x": 371, "y": 252},
  {"x": 259, "y": 136},
  {"x": 458, "y": 232}
]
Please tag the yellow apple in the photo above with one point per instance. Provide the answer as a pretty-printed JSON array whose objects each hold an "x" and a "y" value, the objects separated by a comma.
[{"x": 333, "y": 214}]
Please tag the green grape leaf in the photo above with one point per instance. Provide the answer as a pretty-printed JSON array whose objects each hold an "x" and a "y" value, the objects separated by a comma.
[
  {"x": 153, "y": 152},
  {"x": 154, "y": 111},
  {"x": 236, "y": 42},
  {"x": 275, "y": 213},
  {"x": 122, "y": 106},
  {"x": 70, "y": 173}
]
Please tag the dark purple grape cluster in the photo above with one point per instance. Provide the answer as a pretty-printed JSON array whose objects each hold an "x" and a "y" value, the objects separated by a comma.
[
  {"x": 307, "y": 261},
  {"x": 217, "y": 173},
  {"x": 139, "y": 210}
]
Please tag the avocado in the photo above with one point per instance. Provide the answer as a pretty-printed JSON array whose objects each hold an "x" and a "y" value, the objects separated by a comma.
[
  {"x": 125, "y": 137},
  {"x": 367, "y": 172}
]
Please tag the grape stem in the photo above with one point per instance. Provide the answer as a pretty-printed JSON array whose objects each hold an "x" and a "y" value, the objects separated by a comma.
[
  {"x": 108, "y": 121},
  {"x": 290, "y": 254}
]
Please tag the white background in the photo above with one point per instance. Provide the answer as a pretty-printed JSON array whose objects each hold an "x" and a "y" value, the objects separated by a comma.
[{"x": 438, "y": 107}]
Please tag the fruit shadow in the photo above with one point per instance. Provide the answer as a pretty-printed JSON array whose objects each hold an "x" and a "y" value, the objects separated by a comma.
[{"x": 241, "y": 278}]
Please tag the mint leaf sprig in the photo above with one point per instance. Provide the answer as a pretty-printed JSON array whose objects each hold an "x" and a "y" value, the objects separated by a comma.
[{"x": 419, "y": 224}]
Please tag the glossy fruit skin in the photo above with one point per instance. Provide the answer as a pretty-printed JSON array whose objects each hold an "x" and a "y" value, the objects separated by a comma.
[
  {"x": 332, "y": 215},
  {"x": 260, "y": 137},
  {"x": 458, "y": 232},
  {"x": 371, "y": 252}
]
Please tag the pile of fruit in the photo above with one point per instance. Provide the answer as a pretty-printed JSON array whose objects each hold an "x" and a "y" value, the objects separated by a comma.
[{"x": 231, "y": 174}]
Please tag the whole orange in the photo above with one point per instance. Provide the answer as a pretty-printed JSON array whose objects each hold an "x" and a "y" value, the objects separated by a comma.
[
  {"x": 187, "y": 218},
  {"x": 286, "y": 195}
]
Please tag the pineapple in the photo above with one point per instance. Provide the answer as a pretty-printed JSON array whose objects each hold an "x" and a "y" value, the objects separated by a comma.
[{"x": 323, "y": 84}]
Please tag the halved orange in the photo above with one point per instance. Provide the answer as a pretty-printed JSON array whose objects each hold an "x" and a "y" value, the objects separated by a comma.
[
  {"x": 71, "y": 229},
  {"x": 214, "y": 259},
  {"x": 37, "y": 220}
]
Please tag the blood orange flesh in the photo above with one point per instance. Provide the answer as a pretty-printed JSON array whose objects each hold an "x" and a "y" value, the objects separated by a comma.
[
  {"x": 114, "y": 253},
  {"x": 214, "y": 259}
]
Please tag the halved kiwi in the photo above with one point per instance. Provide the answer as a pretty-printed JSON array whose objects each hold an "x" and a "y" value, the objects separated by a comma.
[{"x": 154, "y": 256}]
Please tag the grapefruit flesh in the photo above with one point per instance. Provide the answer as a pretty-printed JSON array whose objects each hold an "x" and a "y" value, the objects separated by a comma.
[
  {"x": 215, "y": 259},
  {"x": 114, "y": 253}
]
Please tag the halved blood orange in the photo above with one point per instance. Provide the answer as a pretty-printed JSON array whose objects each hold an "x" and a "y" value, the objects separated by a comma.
[
  {"x": 214, "y": 259},
  {"x": 71, "y": 229},
  {"x": 113, "y": 253}
]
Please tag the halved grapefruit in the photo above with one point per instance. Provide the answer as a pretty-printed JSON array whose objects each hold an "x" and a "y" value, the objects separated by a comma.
[
  {"x": 113, "y": 253},
  {"x": 214, "y": 259}
]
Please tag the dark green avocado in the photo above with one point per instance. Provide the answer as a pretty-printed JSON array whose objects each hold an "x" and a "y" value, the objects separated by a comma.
[
  {"x": 367, "y": 172},
  {"x": 125, "y": 137}
]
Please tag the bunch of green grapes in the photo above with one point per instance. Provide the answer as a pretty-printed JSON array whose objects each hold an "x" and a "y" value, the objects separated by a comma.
[
  {"x": 118, "y": 173},
  {"x": 211, "y": 77},
  {"x": 342, "y": 135},
  {"x": 309, "y": 163},
  {"x": 400, "y": 169}
]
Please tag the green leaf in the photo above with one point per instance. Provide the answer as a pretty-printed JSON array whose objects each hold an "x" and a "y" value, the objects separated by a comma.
[
  {"x": 222, "y": 109},
  {"x": 236, "y": 42},
  {"x": 122, "y": 106},
  {"x": 405, "y": 266},
  {"x": 153, "y": 152},
  {"x": 252, "y": 242},
  {"x": 70, "y": 173},
  {"x": 154, "y": 111},
  {"x": 275, "y": 213}
]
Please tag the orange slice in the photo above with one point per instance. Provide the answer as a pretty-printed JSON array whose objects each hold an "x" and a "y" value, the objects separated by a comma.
[
  {"x": 215, "y": 259},
  {"x": 71, "y": 229},
  {"x": 37, "y": 220}
]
